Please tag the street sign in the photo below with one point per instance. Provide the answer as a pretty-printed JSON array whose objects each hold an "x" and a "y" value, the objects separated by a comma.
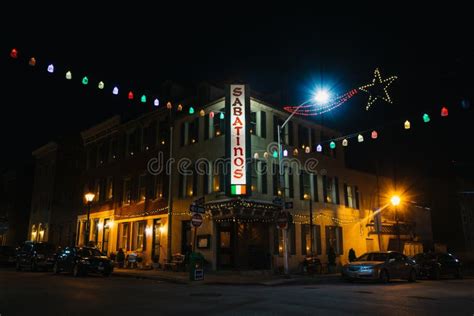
[
  {"x": 278, "y": 201},
  {"x": 196, "y": 220},
  {"x": 282, "y": 220},
  {"x": 197, "y": 206},
  {"x": 289, "y": 205}
]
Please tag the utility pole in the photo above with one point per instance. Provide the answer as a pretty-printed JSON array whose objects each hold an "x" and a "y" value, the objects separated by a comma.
[{"x": 170, "y": 191}]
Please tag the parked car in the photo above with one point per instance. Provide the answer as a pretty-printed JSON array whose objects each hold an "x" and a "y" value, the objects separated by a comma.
[
  {"x": 35, "y": 256},
  {"x": 382, "y": 266},
  {"x": 81, "y": 261},
  {"x": 7, "y": 255},
  {"x": 435, "y": 265}
]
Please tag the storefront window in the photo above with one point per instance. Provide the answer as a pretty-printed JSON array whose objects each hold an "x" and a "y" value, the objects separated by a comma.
[
  {"x": 156, "y": 240},
  {"x": 123, "y": 236},
  {"x": 139, "y": 235}
]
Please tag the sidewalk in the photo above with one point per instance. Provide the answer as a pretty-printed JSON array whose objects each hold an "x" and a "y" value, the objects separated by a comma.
[{"x": 228, "y": 277}]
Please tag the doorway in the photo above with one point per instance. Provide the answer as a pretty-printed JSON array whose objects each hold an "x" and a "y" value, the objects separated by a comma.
[{"x": 225, "y": 245}]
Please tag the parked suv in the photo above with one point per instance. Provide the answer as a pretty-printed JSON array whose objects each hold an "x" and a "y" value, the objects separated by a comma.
[
  {"x": 35, "y": 256},
  {"x": 435, "y": 265},
  {"x": 381, "y": 266},
  {"x": 82, "y": 260}
]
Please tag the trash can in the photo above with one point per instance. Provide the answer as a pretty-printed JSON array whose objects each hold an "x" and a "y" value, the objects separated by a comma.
[{"x": 196, "y": 266}]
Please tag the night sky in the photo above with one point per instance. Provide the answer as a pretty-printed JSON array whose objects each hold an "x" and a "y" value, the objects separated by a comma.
[{"x": 274, "y": 50}]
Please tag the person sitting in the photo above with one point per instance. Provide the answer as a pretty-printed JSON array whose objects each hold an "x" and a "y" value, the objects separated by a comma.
[{"x": 120, "y": 258}]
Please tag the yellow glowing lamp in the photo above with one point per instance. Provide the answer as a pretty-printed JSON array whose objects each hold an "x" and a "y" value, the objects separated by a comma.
[
  {"x": 395, "y": 200},
  {"x": 89, "y": 197},
  {"x": 407, "y": 124}
]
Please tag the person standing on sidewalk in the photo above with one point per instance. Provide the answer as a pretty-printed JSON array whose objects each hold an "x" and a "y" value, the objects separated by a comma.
[{"x": 352, "y": 255}]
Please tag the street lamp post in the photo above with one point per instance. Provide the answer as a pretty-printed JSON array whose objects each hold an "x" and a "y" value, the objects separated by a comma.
[
  {"x": 395, "y": 200},
  {"x": 89, "y": 198},
  {"x": 311, "y": 237}
]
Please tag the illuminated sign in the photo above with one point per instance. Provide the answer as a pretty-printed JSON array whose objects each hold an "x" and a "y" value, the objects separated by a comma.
[{"x": 238, "y": 138}]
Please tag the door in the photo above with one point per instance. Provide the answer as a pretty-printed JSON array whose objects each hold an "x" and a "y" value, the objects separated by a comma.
[
  {"x": 225, "y": 245},
  {"x": 186, "y": 237},
  {"x": 105, "y": 236},
  {"x": 156, "y": 246}
]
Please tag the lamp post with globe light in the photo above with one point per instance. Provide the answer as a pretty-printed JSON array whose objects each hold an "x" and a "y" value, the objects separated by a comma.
[
  {"x": 89, "y": 197},
  {"x": 395, "y": 200}
]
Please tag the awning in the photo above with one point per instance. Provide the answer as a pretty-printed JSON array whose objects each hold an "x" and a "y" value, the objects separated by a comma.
[{"x": 242, "y": 209}]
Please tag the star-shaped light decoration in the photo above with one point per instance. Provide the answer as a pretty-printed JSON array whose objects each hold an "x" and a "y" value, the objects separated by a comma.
[{"x": 378, "y": 89}]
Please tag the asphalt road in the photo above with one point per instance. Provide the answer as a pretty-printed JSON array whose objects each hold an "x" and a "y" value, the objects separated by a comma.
[{"x": 28, "y": 293}]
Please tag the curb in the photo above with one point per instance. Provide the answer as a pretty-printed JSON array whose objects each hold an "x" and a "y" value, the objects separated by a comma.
[{"x": 148, "y": 277}]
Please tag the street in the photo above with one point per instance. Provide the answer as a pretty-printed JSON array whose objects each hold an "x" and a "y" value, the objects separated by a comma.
[{"x": 28, "y": 293}]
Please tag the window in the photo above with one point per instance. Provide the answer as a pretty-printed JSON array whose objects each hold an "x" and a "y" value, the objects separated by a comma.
[
  {"x": 334, "y": 239},
  {"x": 190, "y": 132},
  {"x": 123, "y": 236},
  {"x": 305, "y": 185},
  {"x": 163, "y": 133},
  {"x": 286, "y": 134},
  {"x": 92, "y": 157},
  {"x": 97, "y": 189},
  {"x": 110, "y": 188},
  {"x": 306, "y": 239},
  {"x": 253, "y": 123},
  {"x": 104, "y": 152},
  {"x": 139, "y": 235},
  {"x": 105, "y": 236},
  {"x": 289, "y": 188},
  {"x": 155, "y": 256},
  {"x": 303, "y": 137},
  {"x": 149, "y": 136},
  {"x": 331, "y": 189},
  {"x": 113, "y": 149},
  {"x": 95, "y": 231},
  {"x": 278, "y": 240},
  {"x": 133, "y": 142},
  {"x": 142, "y": 188},
  {"x": 259, "y": 176},
  {"x": 214, "y": 126},
  {"x": 127, "y": 191},
  {"x": 351, "y": 196},
  {"x": 188, "y": 184},
  {"x": 218, "y": 176}
]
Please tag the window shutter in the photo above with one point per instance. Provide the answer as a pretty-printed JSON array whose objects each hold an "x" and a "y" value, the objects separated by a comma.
[
  {"x": 304, "y": 230},
  {"x": 315, "y": 188},
  {"x": 263, "y": 124},
  {"x": 356, "y": 193},
  {"x": 301, "y": 186},
  {"x": 318, "y": 239},
  {"x": 346, "y": 197},
  {"x": 206, "y": 126},
  {"x": 325, "y": 189},
  {"x": 340, "y": 240},
  {"x": 336, "y": 187},
  {"x": 292, "y": 229}
]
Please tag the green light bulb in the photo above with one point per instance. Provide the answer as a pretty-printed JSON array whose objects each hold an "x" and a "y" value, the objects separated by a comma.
[
  {"x": 332, "y": 145},
  {"x": 85, "y": 80},
  {"x": 275, "y": 154},
  {"x": 221, "y": 116},
  {"x": 143, "y": 99},
  {"x": 191, "y": 110},
  {"x": 426, "y": 118}
]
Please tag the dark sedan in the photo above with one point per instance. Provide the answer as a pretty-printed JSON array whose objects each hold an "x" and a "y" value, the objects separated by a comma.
[
  {"x": 435, "y": 265},
  {"x": 35, "y": 256},
  {"x": 81, "y": 261},
  {"x": 381, "y": 266}
]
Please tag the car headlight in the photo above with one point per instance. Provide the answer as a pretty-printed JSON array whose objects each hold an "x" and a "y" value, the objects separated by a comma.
[{"x": 367, "y": 269}]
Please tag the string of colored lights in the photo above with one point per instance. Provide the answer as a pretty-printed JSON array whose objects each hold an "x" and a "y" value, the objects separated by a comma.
[{"x": 313, "y": 109}]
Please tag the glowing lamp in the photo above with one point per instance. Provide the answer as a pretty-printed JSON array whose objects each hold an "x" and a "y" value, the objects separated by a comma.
[
  {"x": 444, "y": 111},
  {"x": 191, "y": 110},
  {"x": 101, "y": 85},
  {"x": 285, "y": 153},
  {"x": 32, "y": 61},
  {"x": 68, "y": 75},
  {"x": 156, "y": 102},
  {"x": 322, "y": 97},
  {"x": 407, "y": 124},
  {"x": 360, "y": 138},
  {"x": 51, "y": 68},
  {"x": 115, "y": 91},
  {"x": 211, "y": 114},
  {"x": 307, "y": 149},
  {"x": 14, "y": 53},
  {"x": 89, "y": 197},
  {"x": 168, "y": 105},
  {"x": 374, "y": 135},
  {"x": 319, "y": 148},
  {"x": 202, "y": 113},
  {"x": 180, "y": 107},
  {"x": 395, "y": 200},
  {"x": 85, "y": 80},
  {"x": 332, "y": 145},
  {"x": 345, "y": 142},
  {"x": 130, "y": 95},
  {"x": 275, "y": 154},
  {"x": 265, "y": 155},
  {"x": 295, "y": 151},
  {"x": 143, "y": 98},
  {"x": 255, "y": 156},
  {"x": 426, "y": 118},
  {"x": 221, "y": 116}
]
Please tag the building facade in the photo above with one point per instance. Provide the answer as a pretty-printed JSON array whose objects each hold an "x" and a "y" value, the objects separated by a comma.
[
  {"x": 146, "y": 173},
  {"x": 57, "y": 191}
]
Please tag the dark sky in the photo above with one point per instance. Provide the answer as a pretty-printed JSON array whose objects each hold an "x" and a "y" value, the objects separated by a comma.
[{"x": 283, "y": 49}]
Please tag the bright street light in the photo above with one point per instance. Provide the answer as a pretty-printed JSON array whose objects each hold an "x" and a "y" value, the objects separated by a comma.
[
  {"x": 322, "y": 96},
  {"x": 395, "y": 200},
  {"x": 89, "y": 197}
]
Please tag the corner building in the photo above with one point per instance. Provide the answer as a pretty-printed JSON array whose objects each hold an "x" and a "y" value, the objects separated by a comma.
[{"x": 128, "y": 164}]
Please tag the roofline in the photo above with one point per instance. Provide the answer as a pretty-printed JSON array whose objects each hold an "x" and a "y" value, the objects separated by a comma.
[{"x": 45, "y": 149}]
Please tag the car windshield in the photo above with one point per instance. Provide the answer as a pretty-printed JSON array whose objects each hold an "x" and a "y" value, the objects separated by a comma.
[
  {"x": 44, "y": 247},
  {"x": 90, "y": 252},
  {"x": 373, "y": 256}
]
